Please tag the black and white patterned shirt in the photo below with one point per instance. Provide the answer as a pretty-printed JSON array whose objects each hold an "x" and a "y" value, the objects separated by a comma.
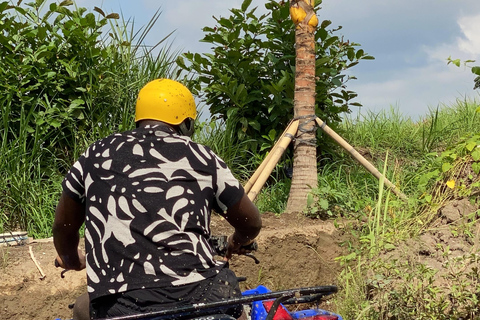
[{"x": 148, "y": 195}]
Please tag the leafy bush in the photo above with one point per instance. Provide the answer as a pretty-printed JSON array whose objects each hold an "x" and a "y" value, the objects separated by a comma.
[
  {"x": 64, "y": 84},
  {"x": 248, "y": 80},
  {"x": 51, "y": 69}
]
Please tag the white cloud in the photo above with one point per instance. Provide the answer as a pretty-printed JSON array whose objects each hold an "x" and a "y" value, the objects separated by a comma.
[
  {"x": 470, "y": 27},
  {"x": 465, "y": 47},
  {"x": 415, "y": 90}
]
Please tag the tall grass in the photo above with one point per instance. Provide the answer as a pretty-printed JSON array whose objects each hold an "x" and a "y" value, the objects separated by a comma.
[
  {"x": 379, "y": 131},
  {"x": 447, "y": 124},
  {"x": 375, "y": 287},
  {"x": 218, "y": 136}
]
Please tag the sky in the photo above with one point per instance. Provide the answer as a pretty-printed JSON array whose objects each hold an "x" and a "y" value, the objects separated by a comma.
[{"x": 410, "y": 40}]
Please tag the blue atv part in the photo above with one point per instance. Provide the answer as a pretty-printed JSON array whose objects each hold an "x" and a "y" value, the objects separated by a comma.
[{"x": 259, "y": 312}]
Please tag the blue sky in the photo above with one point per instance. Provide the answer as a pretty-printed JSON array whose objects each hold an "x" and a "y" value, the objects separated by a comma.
[{"x": 410, "y": 39}]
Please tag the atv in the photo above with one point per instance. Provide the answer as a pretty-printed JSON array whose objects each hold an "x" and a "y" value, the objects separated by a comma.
[{"x": 259, "y": 303}]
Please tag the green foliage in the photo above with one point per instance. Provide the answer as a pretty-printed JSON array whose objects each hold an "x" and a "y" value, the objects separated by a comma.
[
  {"x": 64, "y": 84},
  {"x": 273, "y": 198},
  {"x": 248, "y": 80},
  {"x": 387, "y": 129},
  {"x": 475, "y": 69},
  {"x": 390, "y": 281},
  {"x": 453, "y": 173},
  {"x": 338, "y": 193},
  {"x": 398, "y": 287},
  {"x": 51, "y": 66}
]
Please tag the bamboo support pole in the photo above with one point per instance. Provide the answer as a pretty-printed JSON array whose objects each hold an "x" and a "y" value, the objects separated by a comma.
[
  {"x": 364, "y": 162},
  {"x": 261, "y": 168},
  {"x": 276, "y": 153}
]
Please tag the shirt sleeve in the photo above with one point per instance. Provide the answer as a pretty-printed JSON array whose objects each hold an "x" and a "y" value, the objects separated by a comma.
[
  {"x": 228, "y": 190},
  {"x": 74, "y": 183}
]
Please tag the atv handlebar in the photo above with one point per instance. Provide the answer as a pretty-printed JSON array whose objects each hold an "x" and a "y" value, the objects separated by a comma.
[{"x": 220, "y": 243}]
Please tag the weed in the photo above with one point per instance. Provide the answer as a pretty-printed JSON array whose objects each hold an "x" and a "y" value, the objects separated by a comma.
[{"x": 4, "y": 260}]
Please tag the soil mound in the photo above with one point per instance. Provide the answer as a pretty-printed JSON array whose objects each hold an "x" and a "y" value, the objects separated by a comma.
[{"x": 294, "y": 251}]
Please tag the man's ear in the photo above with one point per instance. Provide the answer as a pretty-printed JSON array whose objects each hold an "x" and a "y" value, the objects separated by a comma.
[{"x": 187, "y": 127}]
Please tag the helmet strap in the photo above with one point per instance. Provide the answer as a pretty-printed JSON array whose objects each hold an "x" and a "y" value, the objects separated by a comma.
[{"x": 187, "y": 127}]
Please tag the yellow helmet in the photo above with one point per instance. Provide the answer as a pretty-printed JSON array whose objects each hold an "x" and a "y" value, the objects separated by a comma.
[{"x": 165, "y": 100}]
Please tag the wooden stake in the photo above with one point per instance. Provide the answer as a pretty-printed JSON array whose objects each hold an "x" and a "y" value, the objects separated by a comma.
[
  {"x": 261, "y": 168},
  {"x": 364, "y": 162},
  {"x": 267, "y": 168},
  {"x": 36, "y": 263}
]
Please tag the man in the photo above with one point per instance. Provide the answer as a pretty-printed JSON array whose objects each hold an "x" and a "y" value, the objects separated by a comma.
[{"x": 145, "y": 197}]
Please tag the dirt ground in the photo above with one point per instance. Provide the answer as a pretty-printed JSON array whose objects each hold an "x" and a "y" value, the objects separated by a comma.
[{"x": 294, "y": 251}]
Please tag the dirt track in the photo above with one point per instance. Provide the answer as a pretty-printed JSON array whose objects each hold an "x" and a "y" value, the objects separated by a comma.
[{"x": 293, "y": 251}]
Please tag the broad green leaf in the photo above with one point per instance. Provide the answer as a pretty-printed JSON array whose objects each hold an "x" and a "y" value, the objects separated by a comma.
[
  {"x": 232, "y": 112},
  {"x": 389, "y": 246},
  {"x": 246, "y": 4},
  {"x": 272, "y": 134},
  {"x": 360, "y": 53},
  {"x": 75, "y": 103},
  {"x": 66, "y": 3},
  {"x": 323, "y": 204},
  {"x": 310, "y": 200},
  {"x": 476, "y": 167},
  {"x": 55, "y": 123},
  {"x": 351, "y": 54},
  {"x": 476, "y": 155},
  {"x": 428, "y": 198},
  {"x": 446, "y": 166},
  {"x": 476, "y": 70},
  {"x": 322, "y": 61},
  {"x": 471, "y": 145},
  {"x": 368, "y": 57},
  {"x": 325, "y": 24},
  {"x": 255, "y": 125}
]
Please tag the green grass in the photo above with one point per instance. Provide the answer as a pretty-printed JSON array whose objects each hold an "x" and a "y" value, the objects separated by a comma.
[{"x": 419, "y": 157}]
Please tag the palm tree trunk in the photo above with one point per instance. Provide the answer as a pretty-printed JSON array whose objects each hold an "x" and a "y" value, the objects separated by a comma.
[{"x": 304, "y": 160}]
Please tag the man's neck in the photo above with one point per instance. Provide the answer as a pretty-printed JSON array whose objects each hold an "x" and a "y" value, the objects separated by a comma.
[{"x": 152, "y": 123}]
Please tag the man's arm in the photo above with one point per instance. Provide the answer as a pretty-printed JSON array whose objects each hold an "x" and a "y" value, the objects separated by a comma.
[
  {"x": 69, "y": 217},
  {"x": 245, "y": 218}
]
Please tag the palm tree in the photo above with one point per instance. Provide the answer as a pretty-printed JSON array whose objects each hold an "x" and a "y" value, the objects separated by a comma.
[{"x": 304, "y": 162}]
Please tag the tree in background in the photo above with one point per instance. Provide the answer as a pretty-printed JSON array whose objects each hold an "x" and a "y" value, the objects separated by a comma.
[{"x": 247, "y": 80}]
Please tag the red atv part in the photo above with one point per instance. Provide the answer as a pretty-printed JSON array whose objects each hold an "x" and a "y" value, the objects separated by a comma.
[{"x": 283, "y": 314}]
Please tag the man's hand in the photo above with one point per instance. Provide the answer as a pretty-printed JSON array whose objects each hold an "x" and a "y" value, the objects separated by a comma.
[
  {"x": 245, "y": 218},
  {"x": 72, "y": 263},
  {"x": 236, "y": 247}
]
